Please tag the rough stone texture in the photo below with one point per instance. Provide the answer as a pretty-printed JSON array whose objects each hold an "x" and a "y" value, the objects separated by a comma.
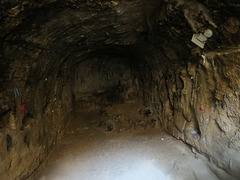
[
  {"x": 42, "y": 43},
  {"x": 104, "y": 81},
  {"x": 27, "y": 139},
  {"x": 214, "y": 85}
]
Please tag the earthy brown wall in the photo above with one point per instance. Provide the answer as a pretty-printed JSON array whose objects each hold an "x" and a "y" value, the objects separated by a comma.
[
  {"x": 213, "y": 85},
  {"x": 103, "y": 81},
  {"x": 27, "y": 139},
  {"x": 42, "y": 42}
]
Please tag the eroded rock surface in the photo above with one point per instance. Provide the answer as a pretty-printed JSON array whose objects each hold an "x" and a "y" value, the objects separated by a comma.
[{"x": 149, "y": 59}]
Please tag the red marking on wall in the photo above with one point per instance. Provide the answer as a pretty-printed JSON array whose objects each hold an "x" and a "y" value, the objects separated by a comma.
[{"x": 23, "y": 109}]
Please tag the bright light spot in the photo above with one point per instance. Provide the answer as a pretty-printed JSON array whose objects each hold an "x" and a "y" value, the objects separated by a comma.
[{"x": 143, "y": 171}]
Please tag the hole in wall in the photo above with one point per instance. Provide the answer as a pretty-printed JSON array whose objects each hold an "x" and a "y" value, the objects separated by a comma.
[{"x": 9, "y": 142}]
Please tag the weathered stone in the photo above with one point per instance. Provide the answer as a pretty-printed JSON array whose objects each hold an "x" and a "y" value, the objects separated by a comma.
[{"x": 99, "y": 53}]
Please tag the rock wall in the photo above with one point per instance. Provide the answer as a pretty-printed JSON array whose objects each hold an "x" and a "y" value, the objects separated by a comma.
[
  {"x": 194, "y": 99},
  {"x": 202, "y": 107},
  {"x": 104, "y": 81},
  {"x": 26, "y": 136}
]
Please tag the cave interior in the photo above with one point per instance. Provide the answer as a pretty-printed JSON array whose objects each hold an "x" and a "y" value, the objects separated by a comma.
[{"x": 165, "y": 65}]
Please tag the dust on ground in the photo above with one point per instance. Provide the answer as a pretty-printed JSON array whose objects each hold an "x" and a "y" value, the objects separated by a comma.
[{"x": 88, "y": 152}]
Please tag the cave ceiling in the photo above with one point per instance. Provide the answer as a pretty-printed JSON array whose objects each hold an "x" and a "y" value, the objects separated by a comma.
[{"x": 76, "y": 28}]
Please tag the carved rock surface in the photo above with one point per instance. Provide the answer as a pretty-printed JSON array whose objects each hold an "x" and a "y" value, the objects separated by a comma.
[{"x": 144, "y": 46}]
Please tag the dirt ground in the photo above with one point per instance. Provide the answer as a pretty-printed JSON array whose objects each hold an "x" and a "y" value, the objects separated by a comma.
[{"x": 90, "y": 153}]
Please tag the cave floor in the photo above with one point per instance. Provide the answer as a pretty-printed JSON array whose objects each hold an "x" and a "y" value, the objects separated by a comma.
[{"x": 90, "y": 153}]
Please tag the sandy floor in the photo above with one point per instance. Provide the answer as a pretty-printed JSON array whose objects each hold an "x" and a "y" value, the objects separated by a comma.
[{"x": 88, "y": 153}]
